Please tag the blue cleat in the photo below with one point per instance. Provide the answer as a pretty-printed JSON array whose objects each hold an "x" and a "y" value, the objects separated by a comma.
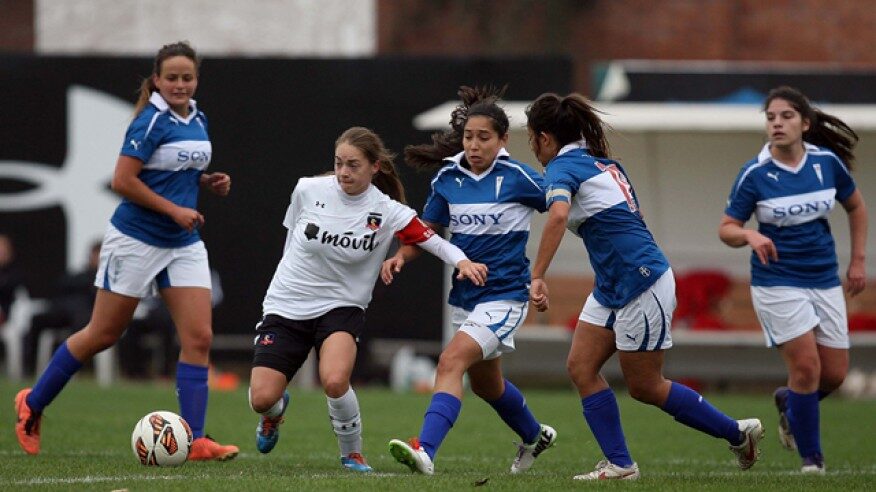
[
  {"x": 355, "y": 462},
  {"x": 268, "y": 430}
]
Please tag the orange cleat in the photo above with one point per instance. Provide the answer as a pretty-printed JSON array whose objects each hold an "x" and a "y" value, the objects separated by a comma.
[
  {"x": 27, "y": 428},
  {"x": 206, "y": 449}
]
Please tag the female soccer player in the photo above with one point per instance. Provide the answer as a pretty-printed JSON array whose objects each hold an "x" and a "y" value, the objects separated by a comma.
[
  {"x": 791, "y": 187},
  {"x": 630, "y": 308},
  {"x": 340, "y": 229},
  {"x": 152, "y": 240},
  {"x": 487, "y": 200}
]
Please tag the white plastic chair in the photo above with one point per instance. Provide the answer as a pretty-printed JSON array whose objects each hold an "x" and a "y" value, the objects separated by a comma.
[{"x": 15, "y": 329}]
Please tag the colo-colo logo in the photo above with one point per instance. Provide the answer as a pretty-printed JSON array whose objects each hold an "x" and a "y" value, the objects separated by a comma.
[
  {"x": 346, "y": 240},
  {"x": 807, "y": 208},
  {"x": 475, "y": 219}
]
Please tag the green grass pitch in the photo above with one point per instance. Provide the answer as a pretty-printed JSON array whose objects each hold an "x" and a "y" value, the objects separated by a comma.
[{"x": 86, "y": 446}]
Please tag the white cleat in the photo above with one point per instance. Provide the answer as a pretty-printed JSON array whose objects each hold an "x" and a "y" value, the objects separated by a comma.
[
  {"x": 606, "y": 470},
  {"x": 527, "y": 453},
  {"x": 747, "y": 452},
  {"x": 412, "y": 454},
  {"x": 812, "y": 470}
]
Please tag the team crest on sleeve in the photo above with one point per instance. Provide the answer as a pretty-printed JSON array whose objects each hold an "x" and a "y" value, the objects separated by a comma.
[
  {"x": 374, "y": 220},
  {"x": 265, "y": 339}
]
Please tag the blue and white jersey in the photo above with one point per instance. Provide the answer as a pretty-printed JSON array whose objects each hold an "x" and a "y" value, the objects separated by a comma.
[
  {"x": 604, "y": 211},
  {"x": 488, "y": 217},
  {"x": 791, "y": 205},
  {"x": 175, "y": 151}
]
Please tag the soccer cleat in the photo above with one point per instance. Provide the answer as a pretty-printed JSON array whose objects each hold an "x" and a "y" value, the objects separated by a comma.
[
  {"x": 412, "y": 454},
  {"x": 813, "y": 465},
  {"x": 527, "y": 453},
  {"x": 206, "y": 449},
  {"x": 355, "y": 462},
  {"x": 606, "y": 470},
  {"x": 780, "y": 396},
  {"x": 747, "y": 452},
  {"x": 27, "y": 427},
  {"x": 268, "y": 430}
]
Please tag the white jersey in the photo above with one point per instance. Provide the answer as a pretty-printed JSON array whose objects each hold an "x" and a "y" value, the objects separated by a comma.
[{"x": 334, "y": 248}]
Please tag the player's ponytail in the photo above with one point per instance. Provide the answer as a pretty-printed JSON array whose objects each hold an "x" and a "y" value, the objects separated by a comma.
[
  {"x": 147, "y": 87},
  {"x": 568, "y": 119},
  {"x": 475, "y": 101},
  {"x": 825, "y": 130},
  {"x": 386, "y": 179}
]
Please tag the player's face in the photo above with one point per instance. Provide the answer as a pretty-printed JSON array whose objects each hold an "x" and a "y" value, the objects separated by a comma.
[
  {"x": 784, "y": 124},
  {"x": 177, "y": 82},
  {"x": 481, "y": 143},
  {"x": 542, "y": 145},
  {"x": 353, "y": 170}
]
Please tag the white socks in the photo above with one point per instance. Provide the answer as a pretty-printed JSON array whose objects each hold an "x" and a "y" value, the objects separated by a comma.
[{"x": 344, "y": 415}]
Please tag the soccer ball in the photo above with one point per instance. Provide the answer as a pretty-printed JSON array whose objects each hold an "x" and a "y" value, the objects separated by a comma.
[{"x": 161, "y": 438}]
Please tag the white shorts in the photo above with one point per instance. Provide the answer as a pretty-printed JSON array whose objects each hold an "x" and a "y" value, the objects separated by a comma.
[
  {"x": 491, "y": 324},
  {"x": 786, "y": 313},
  {"x": 133, "y": 268},
  {"x": 644, "y": 323}
]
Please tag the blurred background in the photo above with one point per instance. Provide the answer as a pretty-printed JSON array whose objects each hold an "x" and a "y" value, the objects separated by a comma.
[{"x": 680, "y": 81}]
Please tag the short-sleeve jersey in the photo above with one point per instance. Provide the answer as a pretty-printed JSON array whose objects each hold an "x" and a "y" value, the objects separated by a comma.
[
  {"x": 488, "y": 217},
  {"x": 174, "y": 151},
  {"x": 334, "y": 248},
  {"x": 791, "y": 205},
  {"x": 604, "y": 211}
]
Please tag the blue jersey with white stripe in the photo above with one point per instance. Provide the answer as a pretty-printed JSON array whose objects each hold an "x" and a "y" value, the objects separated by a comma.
[
  {"x": 488, "y": 217},
  {"x": 174, "y": 151},
  {"x": 791, "y": 205},
  {"x": 604, "y": 212}
]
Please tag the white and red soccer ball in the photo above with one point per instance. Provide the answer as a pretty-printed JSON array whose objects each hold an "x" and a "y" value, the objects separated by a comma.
[{"x": 161, "y": 438}]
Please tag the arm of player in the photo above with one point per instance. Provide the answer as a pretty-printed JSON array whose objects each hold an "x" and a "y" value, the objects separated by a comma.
[
  {"x": 419, "y": 234},
  {"x": 732, "y": 233},
  {"x": 857, "y": 272},
  {"x": 551, "y": 236},
  {"x": 126, "y": 182}
]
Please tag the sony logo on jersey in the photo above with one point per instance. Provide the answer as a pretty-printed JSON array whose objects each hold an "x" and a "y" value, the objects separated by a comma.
[
  {"x": 194, "y": 156},
  {"x": 807, "y": 208},
  {"x": 476, "y": 219},
  {"x": 365, "y": 243}
]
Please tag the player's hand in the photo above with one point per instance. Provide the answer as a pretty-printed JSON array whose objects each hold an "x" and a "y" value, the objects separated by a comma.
[
  {"x": 218, "y": 183},
  {"x": 538, "y": 294},
  {"x": 856, "y": 278},
  {"x": 476, "y": 272},
  {"x": 187, "y": 218},
  {"x": 390, "y": 267},
  {"x": 763, "y": 247}
]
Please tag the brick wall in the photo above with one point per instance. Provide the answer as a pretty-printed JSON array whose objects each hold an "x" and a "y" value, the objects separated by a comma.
[{"x": 841, "y": 33}]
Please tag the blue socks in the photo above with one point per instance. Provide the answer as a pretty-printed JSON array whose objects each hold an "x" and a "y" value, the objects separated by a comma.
[
  {"x": 692, "y": 410},
  {"x": 61, "y": 368},
  {"x": 191, "y": 391},
  {"x": 440, "y": 416},
  {"x": 803, "y": 417},
  {"x": 511, "y": 406},
  {"x": 603, "y": 417}
]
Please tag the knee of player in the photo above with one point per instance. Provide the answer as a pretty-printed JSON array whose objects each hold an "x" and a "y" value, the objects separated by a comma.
[
  {"x": 261, "y": 400},
  {"x": 806, "y": 370},
  {"x": 451, "y": 364},
  {"x": 196, "y": 339},
  {"x": 645, "y": 392},
  {"x": 335, "y": 386}
]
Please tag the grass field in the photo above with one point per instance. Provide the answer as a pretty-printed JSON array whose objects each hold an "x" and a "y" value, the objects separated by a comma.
[{"x": 86, "y": 446}]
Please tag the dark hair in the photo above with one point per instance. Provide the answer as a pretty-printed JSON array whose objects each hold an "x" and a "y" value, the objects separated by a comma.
[
  {"x": 568, "y": 119},
  {"x": 825, "y": 130},
  {"x": 476, "y": 101},
  {"x": 386, "y": 179},
  {"x": 147, "y": 87}
]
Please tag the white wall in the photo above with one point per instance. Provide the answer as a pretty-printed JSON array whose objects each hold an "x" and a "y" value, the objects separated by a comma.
[
  {"x": 321, "y": 28},
  {"x": 683, "y": 180}
]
